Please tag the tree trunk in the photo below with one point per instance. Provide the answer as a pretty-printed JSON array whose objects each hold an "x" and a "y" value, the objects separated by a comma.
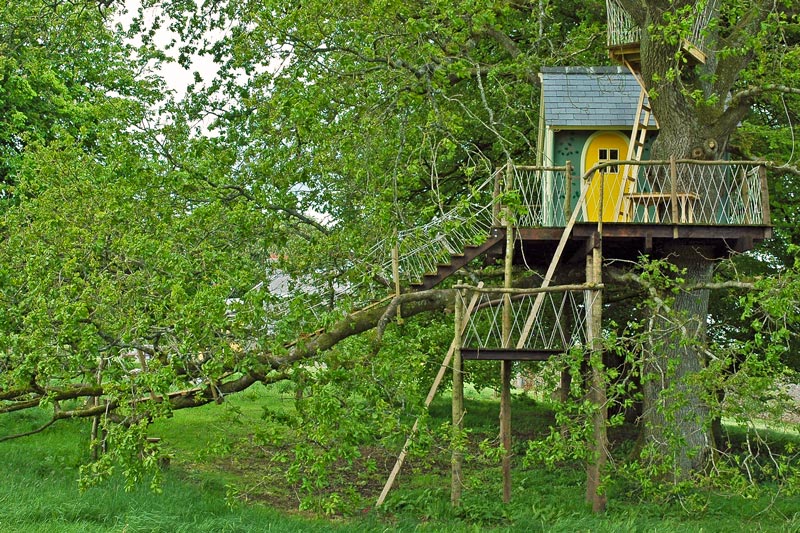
[
  {"x": 677, "y": 422},
  {"x": 676, "y": 418}
]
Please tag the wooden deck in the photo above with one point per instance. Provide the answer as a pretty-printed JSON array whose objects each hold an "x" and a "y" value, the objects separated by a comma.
[
  {"x": 630, "y": 55},
  {"x": 536, "y": 246}
]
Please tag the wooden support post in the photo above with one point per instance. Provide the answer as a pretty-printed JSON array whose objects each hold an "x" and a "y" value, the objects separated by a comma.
[
  {"x": 567, "y": 191},
  {"x": 505, "y": 366},
  {"x": 457, "y": 457},
  {"x": 762, "y": 177},
  {"x": 597, "y": 392}
]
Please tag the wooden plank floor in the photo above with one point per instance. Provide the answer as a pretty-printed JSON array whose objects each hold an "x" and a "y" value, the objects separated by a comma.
[{"x": 627, "y": 241}]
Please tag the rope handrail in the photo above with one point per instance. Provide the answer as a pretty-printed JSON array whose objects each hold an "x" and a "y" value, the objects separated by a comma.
[
  {"x": 666, "y": 162},
  {"x": 711, "y": 192}
]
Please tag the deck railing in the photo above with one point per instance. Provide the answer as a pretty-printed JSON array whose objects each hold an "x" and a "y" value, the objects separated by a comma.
[
  {"x": 541, "y": 194},
  {"x": 559, "y": 326},
  {"x": 714, "y": 193},
  {"x": 621, "y": 28}
]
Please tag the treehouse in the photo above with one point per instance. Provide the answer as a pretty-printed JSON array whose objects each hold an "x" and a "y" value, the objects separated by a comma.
[
  {"x": 593, "y": 195},
  {"x": 596, "y": 130},
  {"x": 586, "y": 118}
]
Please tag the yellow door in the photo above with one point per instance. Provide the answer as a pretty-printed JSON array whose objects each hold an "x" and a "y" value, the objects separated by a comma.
[{"x": 605, "y": 146}]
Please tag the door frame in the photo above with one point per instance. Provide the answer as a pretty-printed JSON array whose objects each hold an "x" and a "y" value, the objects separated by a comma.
[{"x": 585, "y": 151}]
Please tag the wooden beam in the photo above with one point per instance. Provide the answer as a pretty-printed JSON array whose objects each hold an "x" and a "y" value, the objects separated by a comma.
[
  {"x": 509, "y": 354},
  {"x": 457, "y": 454},
  {"x": 443, "y": 368}
]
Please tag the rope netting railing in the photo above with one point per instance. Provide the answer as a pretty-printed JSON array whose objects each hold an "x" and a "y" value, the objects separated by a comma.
[
  {"x": 715, "y": 193},
  {"x": 542, "y": 191},
  {"x": 559, "y": 325},
  {"x": 621, "y": 29},
  {"x": 422, "y": 248}
]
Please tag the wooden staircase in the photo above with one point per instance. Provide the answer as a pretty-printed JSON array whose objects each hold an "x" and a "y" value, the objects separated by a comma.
[{"x": 457, "y": 261}]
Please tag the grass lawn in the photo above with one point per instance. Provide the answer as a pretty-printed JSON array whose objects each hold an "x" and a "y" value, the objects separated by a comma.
[{"x": 219, "y": 456}]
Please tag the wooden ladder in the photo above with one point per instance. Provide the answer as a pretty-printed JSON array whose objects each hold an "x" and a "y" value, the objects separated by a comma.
[
  {"x": 640, "y": 125},
  {"x": 630, "y": 172}
]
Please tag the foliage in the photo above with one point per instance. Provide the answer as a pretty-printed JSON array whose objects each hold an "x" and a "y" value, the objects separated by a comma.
[
  {"x": 160, "y": 254},
  {"x": 356, "y": 399},
  {"x": 39, "y": 489},
  {"x": 743, "y": 382}
]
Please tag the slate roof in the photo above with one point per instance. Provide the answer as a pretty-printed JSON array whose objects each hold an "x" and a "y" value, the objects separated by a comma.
[{"x": 589, "y": 96}]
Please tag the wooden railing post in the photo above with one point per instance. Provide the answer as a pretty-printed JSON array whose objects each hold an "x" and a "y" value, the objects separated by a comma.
[
  {"x": 762, "y": 178},
  {"x": 567, "y": 190},
  {"x": 673, "y": 188}
]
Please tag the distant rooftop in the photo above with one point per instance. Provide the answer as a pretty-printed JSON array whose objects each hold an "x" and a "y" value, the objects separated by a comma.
[{"x": 589, "y": 97}]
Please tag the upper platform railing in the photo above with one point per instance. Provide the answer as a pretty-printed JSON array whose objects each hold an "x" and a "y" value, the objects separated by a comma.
[
  {"x": 623, "y": 32},
  {"x": 674, "y": 192},
  {"x": 685, "y": 192}
]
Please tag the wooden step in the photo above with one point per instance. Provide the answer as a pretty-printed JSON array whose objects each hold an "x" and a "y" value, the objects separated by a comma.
[{"x": 443, "y": 270}]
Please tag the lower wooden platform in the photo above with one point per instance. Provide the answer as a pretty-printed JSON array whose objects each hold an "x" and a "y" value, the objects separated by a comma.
[{"x": 506, "y": 354}]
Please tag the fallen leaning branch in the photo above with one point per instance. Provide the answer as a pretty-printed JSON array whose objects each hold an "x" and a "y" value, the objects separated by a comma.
[{"x": 268, "y": 367}]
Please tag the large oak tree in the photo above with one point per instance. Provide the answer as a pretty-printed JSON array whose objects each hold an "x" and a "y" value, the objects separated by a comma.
[{"x": 135, "y": 239}]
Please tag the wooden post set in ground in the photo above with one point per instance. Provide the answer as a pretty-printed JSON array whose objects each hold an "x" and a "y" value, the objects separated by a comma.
[
  {"x": 457, "y": 454},
  {"x": 505, "y": 366},
  {"x": 597, "y": 389}
]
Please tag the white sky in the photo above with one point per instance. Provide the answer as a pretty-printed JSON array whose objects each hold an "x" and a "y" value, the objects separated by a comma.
[{"x": 176, "y": 77}]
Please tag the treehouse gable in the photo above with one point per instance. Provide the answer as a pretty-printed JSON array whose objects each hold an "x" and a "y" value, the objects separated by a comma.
[
  {"x": 587, "y": 114},
  {"x": 578, "y": 103}
]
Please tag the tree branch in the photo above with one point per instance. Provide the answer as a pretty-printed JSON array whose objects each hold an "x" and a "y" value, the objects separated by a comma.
[
  {"x": 748, "y": 95},
  {"x": 32, "y": 432},
  {"x": 401, "y": 299},
  {"x": 269, "y": 367}
]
